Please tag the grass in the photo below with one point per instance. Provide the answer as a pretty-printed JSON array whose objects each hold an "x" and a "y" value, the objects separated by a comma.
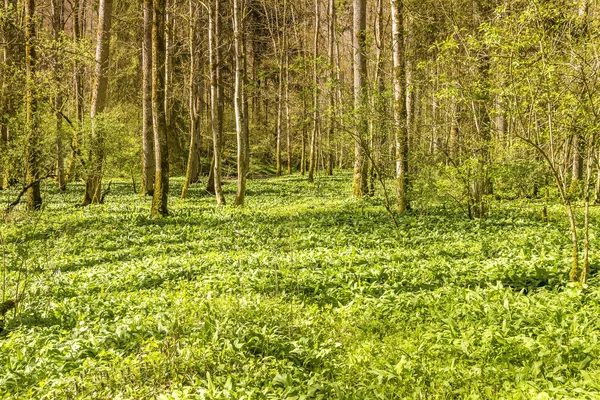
[{"x": 306, "y": 293}]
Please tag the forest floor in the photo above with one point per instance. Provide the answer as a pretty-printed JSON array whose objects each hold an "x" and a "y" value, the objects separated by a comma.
[{"x": 306, "y": 293}]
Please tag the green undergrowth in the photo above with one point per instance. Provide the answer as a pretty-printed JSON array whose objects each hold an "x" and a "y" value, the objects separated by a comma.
[{"x": 305, "y": 293}]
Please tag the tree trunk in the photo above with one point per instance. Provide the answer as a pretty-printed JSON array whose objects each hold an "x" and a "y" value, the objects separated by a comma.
[
  {"x": 312, "y": 162},
  {"x": 240, "y": 109},
  {"x": 57, "y": 28},
  {"x": 214, "y": 33},
  {"x": 78, "y": 9},
  {"x": 400, "y": 114},
  {"x": 161, "y": 148},
  {"x": 34, "y": 197},
  {"x": 360, "y": 183},
  {"x": 196, "y": 103},
  {"x": 332, "y": 66},
  {"x": 148, "y": 162},
  {"x": 10, "y": 52},
  {"x": 93, "y": 183}
]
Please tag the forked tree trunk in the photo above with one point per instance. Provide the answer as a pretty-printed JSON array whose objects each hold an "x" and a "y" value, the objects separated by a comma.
[
  {"x": 148, "y": 163},
  {"x": 93, "y": 183},
  {"x": 161, "y": 155}
]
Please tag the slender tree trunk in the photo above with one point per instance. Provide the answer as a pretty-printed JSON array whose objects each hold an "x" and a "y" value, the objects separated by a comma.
[
  {"x": 93, "y": 184},
  {"x": 288, "y": 116},
  {"x": 312, "y": 162},
  {"x": 34, "y": 197},
  {"x": 214, "y": 32},
  {"x": 240, "y": 110},
  {"x": 10, "y": 52},
  {"x": 57, "y": 28},
  {"x": 359, "y": 184},
  {"x": 148, "y": 162},
  {"x": 400, "y": 114},
  {"x": 379, "y": 101},
  {"x": 280, "y": 90},
  {"x": 195, "y": 103},
  {"x": 332, "y": 66},
  {"x": 161, "y": 155},
  {"x": 75, "y": 158}
]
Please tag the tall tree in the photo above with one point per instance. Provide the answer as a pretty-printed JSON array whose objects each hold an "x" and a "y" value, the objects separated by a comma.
[
  {"x": 57, "y": 28},
  {"x": 32, "y": 156},
  {"x": 216, "y": 94},
  {"x": 78, "y": 31},
  {"x": 161, "y": 155},
  {"x": 312, "y": 158},
  {"x": 400, "y": 114},
  {"x": 196, "y": 100},
  {"x": 148, "y": 163},
  {"x": 10, "y": 54},
  {"x": 360, "y": 183},
  {"x": 241, "y": 116},
  {"x": 332, "y": 67},
  {"x": 93, "y": 183}
]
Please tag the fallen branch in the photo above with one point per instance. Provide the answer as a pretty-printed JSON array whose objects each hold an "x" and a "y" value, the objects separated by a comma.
[{"x": 23, "y": 191}]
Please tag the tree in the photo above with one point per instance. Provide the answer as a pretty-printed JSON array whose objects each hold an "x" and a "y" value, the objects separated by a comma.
[
  {"x": 57, "y": 29},
  {"x": 148, "y": 163},
  {"x": 34, "y": 197},
  {"x": 161, "y": 155},
  {"x": 400, "y": 114},
  {"x": 93, "y": 183},
  {"x": 196, "y": 100},
  {"x": 216, "y": 94},
  {"x": 360, "y": 183},
  {"x": 312, "y": 157},
  {"x": 241, "y": 116}
]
